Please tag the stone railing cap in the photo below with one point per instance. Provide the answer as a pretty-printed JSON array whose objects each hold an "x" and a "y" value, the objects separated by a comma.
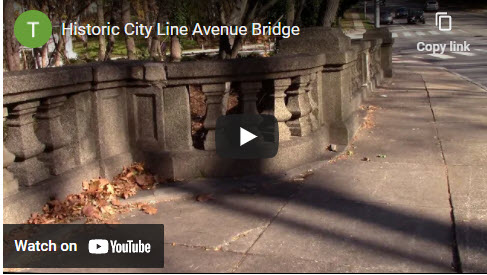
[
  {"x": 250, "y": 66},
  {"x": 31, "y": 80},
  {"x": 315, "y": 40},
  {"x": 382, "y": 33}
]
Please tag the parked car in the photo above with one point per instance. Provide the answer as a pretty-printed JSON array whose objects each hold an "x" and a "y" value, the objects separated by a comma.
[
  {"x": 431, "y": 6},
  {"x": 402, "y": 13},
  {"x": 416, "y": 16},
  {"x": 386, "y": 17}
]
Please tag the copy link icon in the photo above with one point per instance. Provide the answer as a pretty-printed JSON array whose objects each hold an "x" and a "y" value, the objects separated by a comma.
[
  {"x": 33, "y": 29},
  {"x": 439, "y": 16}
]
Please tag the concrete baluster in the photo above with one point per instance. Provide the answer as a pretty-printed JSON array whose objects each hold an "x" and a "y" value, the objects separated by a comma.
[
  {"x": 314, "y": 107},
  {"x": 249, "y": 102},
  {"x": 51, "y": 132},
  {"x": 10, "y": 184},
  {"x": 249, "y": 96},
  {"x": 280, "y": 111},
  {"x": 23, "y": 143},
  {"x": 298, "y": 105},
  {"x": 214, "y": 94}
]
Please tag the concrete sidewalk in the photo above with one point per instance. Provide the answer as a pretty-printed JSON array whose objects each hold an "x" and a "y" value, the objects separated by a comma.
[{"x": 383, "y": 206}]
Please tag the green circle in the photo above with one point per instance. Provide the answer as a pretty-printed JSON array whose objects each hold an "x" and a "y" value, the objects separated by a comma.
[{"x": 24, "y": 25}]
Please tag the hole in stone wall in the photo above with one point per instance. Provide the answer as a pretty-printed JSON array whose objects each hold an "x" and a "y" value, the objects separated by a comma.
[
  {"x": 233, "y": 100},
  {"x": 198, "y": 112}
]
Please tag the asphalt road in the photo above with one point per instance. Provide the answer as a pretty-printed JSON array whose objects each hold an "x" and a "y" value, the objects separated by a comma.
[{"x": 467, "y": 27}]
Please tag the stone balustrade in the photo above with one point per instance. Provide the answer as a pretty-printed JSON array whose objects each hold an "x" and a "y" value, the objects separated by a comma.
[{"x": 69, "y": 124}]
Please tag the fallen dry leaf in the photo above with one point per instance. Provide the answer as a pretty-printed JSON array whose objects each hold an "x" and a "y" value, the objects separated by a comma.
[
  {"x": 89, "y": 210},
  {"x": 151, "y": 210}
]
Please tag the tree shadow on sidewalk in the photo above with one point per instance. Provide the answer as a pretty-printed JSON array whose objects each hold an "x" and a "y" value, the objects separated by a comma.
[{"x": 330, "y": 202}]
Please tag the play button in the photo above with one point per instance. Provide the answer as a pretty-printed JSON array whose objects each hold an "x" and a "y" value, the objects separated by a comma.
[
  {"x": 246, "y": 136},
  {"x": 98, "y": 246}
]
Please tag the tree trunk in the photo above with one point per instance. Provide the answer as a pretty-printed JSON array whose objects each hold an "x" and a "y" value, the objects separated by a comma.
[
  {"x": 145, "y": 7},
  {"x": 175, "y": 49},
  {"x": 129, "y": 40},
  {"x": 237, "y": 46},
  {"x": 235, "y": 18},
  {"x": 101, "y": 21},
  {"x": 45, "y": 56},
  {"x": 156, "y": 53},
  {"x": 290, "y": 12},
  {"x": 328, "y": 12},
  {"x": 297, "y": 19},
  {"x": 11, "y": 44},
  {"x": 225, "y": 49},
  {"x": 111, "y": 38},
  {"x": 58, "y": 51}
]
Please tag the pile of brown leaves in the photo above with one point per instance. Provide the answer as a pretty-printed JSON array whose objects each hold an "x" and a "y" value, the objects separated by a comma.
[{"x": 99, "y": 201}]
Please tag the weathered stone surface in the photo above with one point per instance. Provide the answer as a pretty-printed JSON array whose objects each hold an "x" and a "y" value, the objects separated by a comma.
[
  {"x": 111, "y": 122},
  {"x": 137, "y": 72},
  {"x": 300, "y": 107},
  {"x": 18, "y": 82},
  {"x": 50, "y": 132},
  {"x": 177, "y": 119},
  {"x": 24, "y": 144},
  {"x": 336, "y": 99},
  {"x": 315, "y": 40},
  {"x": 214, "y": 94},
  {"x": 79, "y": 121},
  {"x": 386, "y": 47},
  {"x": 10, "y": 184},
  {"x": 111, "y": 71},
  {"x": 155, "y": 71},
  {"x": 251, "y": 69},
  {"x": 278, "y": 108}
]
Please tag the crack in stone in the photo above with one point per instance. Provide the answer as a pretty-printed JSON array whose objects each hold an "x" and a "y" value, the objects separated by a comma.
[
  {"x": 456, "y": 261},
  {"x": 238, "y": 237}
]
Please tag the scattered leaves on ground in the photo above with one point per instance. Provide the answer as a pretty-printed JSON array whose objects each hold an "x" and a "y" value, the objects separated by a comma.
[
  {"x": 99, "y": 202},
  {"x": 369, "y": 120}
]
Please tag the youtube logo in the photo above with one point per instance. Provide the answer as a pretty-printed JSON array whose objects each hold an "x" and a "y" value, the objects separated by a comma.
[
  {"x": 247, "y": 136},
  {"x": 98, "y": 246}
]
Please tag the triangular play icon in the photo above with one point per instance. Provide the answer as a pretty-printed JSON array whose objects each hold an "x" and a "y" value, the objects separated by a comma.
[{"x": 245, "y": 136}]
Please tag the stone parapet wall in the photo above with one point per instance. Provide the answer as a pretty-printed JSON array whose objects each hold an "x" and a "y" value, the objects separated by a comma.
[{"x": 68, "y": 124}]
